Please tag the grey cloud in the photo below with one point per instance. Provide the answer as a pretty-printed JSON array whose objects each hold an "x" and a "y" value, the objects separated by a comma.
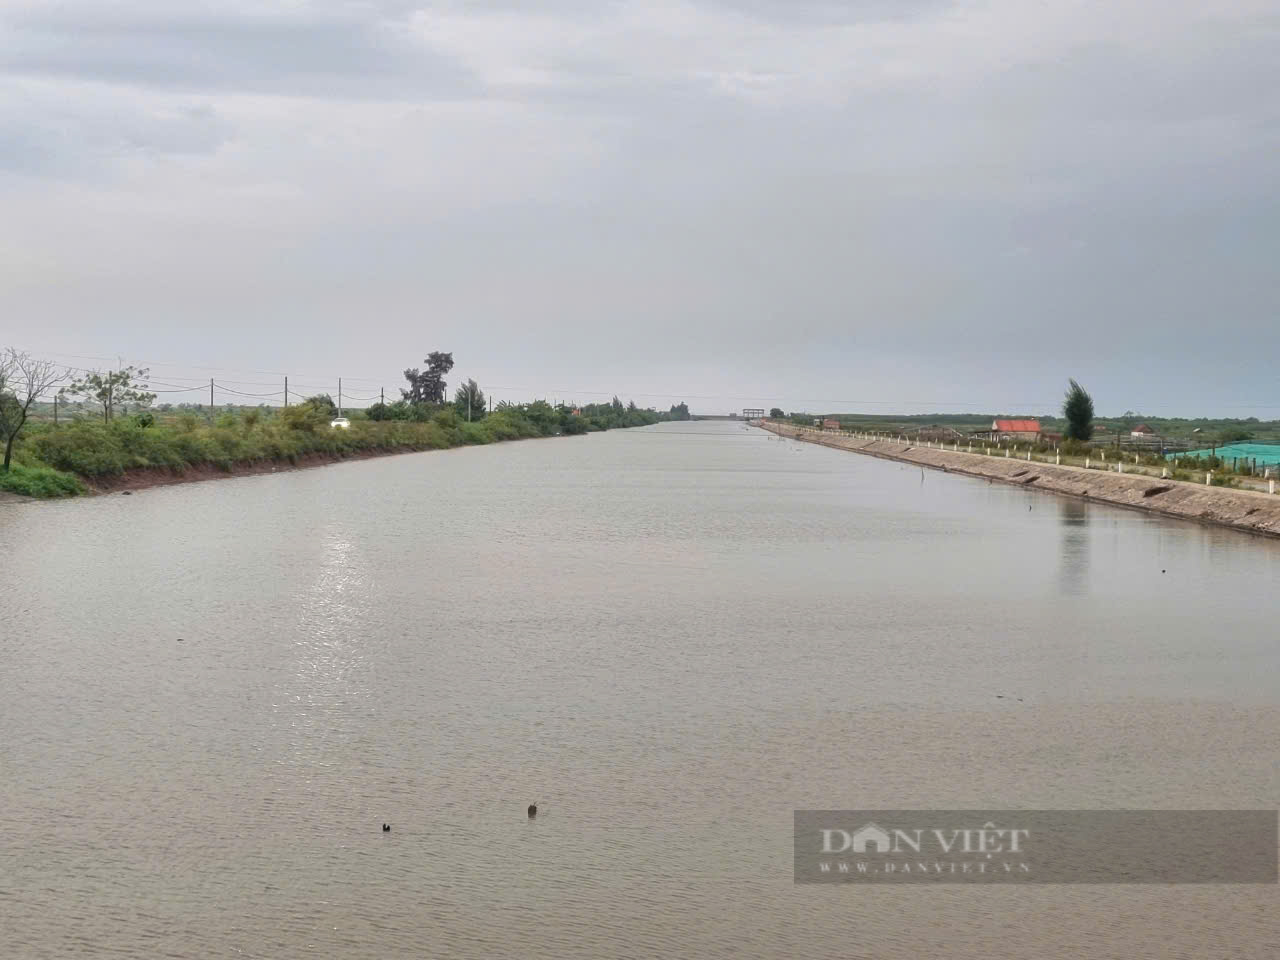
[
  {"x": 48, "y": 135},
  {"x": 964, "y": 202},
  {"x": 319, "y": 55},
  {"x": 834, "y": 12}
]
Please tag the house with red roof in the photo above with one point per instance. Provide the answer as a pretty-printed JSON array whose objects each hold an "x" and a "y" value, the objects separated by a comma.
[{"x": 1003, "y": 429}]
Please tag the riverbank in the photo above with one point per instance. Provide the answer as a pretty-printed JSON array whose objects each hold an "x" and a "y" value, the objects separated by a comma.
[
  {"x": 1253, "y": 512},
  {"x": 143, "y": 478},
  {"x": 134, "y": 453}
]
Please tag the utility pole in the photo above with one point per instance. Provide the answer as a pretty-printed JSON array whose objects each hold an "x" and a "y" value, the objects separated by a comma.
[
  {"x": 211, "y": 398},
  {"x": 339, "y": 396},
  {"x": 286, "y": 391},
  {"x": 468, "y": 389},
  {"x": 382, "y": 396},
  {"x": 55, "y": 409}
]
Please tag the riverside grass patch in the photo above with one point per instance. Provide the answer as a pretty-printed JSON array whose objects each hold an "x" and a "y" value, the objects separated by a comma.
[
  {"x": 93, "y": 450},
  {"x": 42, "y": 482},
  {"x": 55, "y": 456}
]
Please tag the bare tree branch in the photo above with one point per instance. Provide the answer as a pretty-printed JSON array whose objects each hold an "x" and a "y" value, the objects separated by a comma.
[{"x": 23, "y": 380}]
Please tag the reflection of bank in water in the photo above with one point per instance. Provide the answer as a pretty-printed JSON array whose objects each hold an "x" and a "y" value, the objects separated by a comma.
[{"x": 1073, "y": 558}]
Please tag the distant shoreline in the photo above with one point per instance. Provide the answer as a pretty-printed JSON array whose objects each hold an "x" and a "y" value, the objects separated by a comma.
[{"x": 1244, "y": 510}]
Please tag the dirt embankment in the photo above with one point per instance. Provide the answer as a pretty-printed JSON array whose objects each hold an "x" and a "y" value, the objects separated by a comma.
[
  {"x": 140, "y": 478},
  {"x": 1246, "y": 510}
]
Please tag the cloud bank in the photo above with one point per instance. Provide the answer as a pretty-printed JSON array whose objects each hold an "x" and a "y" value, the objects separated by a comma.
[{"x": 858, "y": 205}]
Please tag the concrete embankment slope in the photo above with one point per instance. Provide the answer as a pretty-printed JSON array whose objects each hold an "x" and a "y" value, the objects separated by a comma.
[{"x": 1241, "y": 509}]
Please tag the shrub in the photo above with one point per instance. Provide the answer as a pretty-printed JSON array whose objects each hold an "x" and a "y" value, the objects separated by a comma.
[
  {"x": 39, "y": 482},
  {"x": 84, "y": 448},
  {"x": 95, "y": 449},
  {"x": 476, "y": 432},
  {"x": 304, "y": 417}
]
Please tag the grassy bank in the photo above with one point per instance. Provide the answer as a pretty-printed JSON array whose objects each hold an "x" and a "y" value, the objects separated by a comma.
[
  {"x": 54, "y": 461},
  {"x": 39, "y": 482}
]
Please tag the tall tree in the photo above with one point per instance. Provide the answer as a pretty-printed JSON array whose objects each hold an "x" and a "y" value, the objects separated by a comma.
[
  {"x": 469, "y": 401},
  {"x": 23, "y": 379},
  {"x": 112, "y": 389},
  {"x": 428, "y": 386},
  {"x": 414, "y": 393},
  {"x": 776, "y": 413},
  {"x": 1077, "y": 408}
]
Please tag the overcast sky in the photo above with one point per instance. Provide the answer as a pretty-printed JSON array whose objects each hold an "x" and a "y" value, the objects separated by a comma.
[{"x": 879, "y": 205}]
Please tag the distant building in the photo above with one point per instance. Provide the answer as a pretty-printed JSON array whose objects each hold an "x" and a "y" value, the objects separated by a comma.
[
  {"x": 1015, "y": 429},
  {"x": 1142, "y": 430},
  {"x": 753, "y": 413},
  {"x": 830, "y": 424}
]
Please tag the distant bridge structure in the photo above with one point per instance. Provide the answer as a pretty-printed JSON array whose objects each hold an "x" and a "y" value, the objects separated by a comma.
[{"x": 751, "y": 413}]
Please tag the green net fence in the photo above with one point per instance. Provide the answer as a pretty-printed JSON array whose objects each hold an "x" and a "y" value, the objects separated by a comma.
[{"x": 1266, "y": 454}]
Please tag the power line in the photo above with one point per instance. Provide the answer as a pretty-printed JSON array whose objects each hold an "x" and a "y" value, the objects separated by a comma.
[{"x": 238, "y": 393}]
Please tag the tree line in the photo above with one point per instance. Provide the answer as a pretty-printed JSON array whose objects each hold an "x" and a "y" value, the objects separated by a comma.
[{"x": 127, "y": 431}]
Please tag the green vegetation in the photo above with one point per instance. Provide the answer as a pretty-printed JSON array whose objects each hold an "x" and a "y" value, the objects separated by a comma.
[
  {"x": 469, "y": 401},
  {"x": 114, "y": 388},
  {"x": 96, "y": 449},
  {"x": 22, "y": 380},
  {"x": 428, "y": 386},
  {"x": 39, "y": 482},
  {"x": 51, "y": 458},
  {"x": 1235, "y": 435},
  {"x": 1077, "y": 410},
  {"x": 1186, "y": 433}
]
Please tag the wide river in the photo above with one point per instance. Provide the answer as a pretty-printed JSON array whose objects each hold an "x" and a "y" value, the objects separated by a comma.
[{"x": 213, "y": 695}]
